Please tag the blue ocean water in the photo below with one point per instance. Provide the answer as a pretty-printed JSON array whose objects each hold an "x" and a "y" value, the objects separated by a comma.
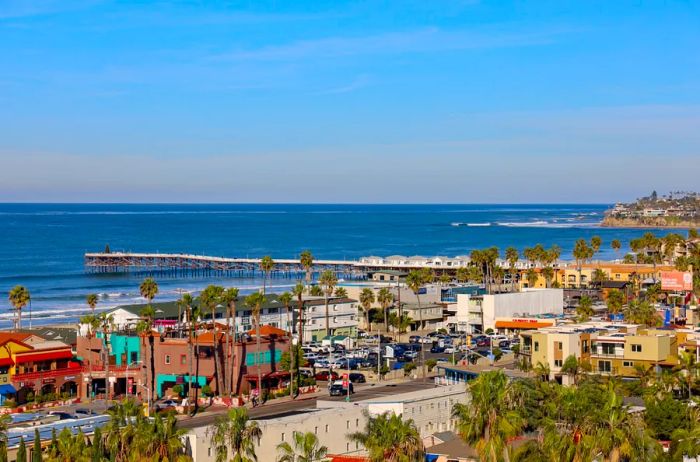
[{"x": 42, "y": 245}]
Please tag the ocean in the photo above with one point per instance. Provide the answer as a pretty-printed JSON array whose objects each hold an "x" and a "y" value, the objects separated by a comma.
[{"x": 42, "y": 245}]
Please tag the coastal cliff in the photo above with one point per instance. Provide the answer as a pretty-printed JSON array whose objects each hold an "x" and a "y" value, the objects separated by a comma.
[{"x": 649, "y": 222}]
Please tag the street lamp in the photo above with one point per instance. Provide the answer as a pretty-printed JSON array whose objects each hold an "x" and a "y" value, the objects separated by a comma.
[{"x": 148, "y": 395}]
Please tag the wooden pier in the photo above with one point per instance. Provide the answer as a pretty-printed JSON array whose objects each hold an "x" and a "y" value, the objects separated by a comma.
[{"x": 115, "y": 262}]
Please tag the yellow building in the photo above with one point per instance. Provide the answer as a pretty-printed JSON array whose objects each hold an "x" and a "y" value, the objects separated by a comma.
[
  {"x": 570, "y": 277},
  {"x": 609, "y": 349}
]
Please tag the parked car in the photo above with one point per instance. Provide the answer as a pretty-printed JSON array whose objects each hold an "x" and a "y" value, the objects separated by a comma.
[
  {"x": 337, "y": 389},
  {"x": 449, "y": 349},
  {"x": 414, "y": 339},
  {"x": 322, "y": 376},
  {"x": 437, "y": 349},
  {"x": 356, "y": 377},
  {"x": 166, "y": 404},
  {"x": 483, "y": 343},
  {"x": 427, "y": 340},
  {"x": 409, "y": 356},
  {"x": 504, "y": 344}
]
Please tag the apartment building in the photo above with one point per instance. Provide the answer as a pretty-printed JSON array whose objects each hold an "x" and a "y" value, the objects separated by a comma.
[{"x": 609, "y": 348}]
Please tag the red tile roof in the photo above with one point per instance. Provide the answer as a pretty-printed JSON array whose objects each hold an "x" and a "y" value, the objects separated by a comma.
[{"x": 267, "y": 331}]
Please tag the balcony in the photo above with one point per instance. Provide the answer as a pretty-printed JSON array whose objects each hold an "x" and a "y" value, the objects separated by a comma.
[{"x": 76, "y": 369}]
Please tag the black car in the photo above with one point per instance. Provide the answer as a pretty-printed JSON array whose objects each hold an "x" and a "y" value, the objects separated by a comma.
[
  {"x": 504, "y": 344},
  {"x": 337, "y": 389},
  {"x": 356, "y": 377},
  {"x": 414, "y": 339}
]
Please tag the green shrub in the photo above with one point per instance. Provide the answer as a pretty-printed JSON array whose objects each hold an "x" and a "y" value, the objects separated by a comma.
[{"x": 408, "y": 368}]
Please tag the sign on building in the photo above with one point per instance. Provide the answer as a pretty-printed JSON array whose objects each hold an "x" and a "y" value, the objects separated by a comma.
[{"x": 676, "y": 280}]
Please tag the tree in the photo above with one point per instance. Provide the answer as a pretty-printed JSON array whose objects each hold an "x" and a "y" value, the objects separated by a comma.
[
  {"x": 548, "y": 273},
  {"x": 210, "y": 298},
  {"x": 415, "y": 281},
  {"x": 36, "y": 450},
  {"x": 492, "y": 417},
  {"x": 642, "y": 312},
  {"x": 315, "y": 291},
  {"x": 267, "y": 264},
  {"x": 599, "y": 276},
  {"x": 306, "y": 449},
  {"x": 512, "y": 257},
  {"x": 665, "y": 415},
  {"x": 255, "y": 301},
  {"x": 570, "y": 367},
  {"x": 582, "y": 253},
  {"x": 387, "y": 437},
  {"x": 21, "y": 451},
  {"x": 235, "y": 432},
  {"x": 341, "y": 292},
  {"x": 229, "y": 299},
  {"x": 149, "y": 290},
  {"x": 585, "y": 308},
  {"x": 616, "y": 245},
  {"x": 328, "y": 280},
  {"x": 385, "y": 298},
  {"x": 307, "y": 263},
  {"x": 596, "y": 243},
  {"x": 193, "y": 314},
  {"x": 19, "y": 298},
  {"x": 615, "y": 301},
  {"x": 366, "y": 301},
  {"x": 531, "y": 277}
]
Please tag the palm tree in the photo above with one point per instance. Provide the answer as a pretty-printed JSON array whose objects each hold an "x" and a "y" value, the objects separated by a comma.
[
  {"x": 686, "y": 442},
  {"x": 298, "y": 292},
  {"x": 229, "y": 298},
  {"x": 341, "y": 292},
  {"x": 237, "y": 433},
  {"x": 285, "y": 299},
  {"x": 492, "y": 417},
  {"x": 192, "y": 314},
  {"x": 548, "y": 273},
  {"x": 582, "y": 253},
  {"x": 616, "y": 245},
  {"x": 19, "y": 297},
  {"x": 307, "y": 263},
  {"x": 585, "y": 308},
  {"x": 92, "y": 323},
  {"x": 615, "y": 301},
  {"x": 210, "y": 298},
  {"x": 389, "y": 438},
  {"x": 596, "y": 242},
  {"x": 571, "y": 367},
  {"x": 328, "y": 280},
  {"x": 415, "y": 281},
  {"x": 149, "y": 290},
  {"x": 385, "y": 298},
  {"x": 267, "y": 264},
  {"x": 161, "y": 440},
  {"x": 689, "y": 367},
  {"x": 255, "y": 302},
  {"x": 107, "y": 326},
  {"x": 531, "y": 277},
  {"x": 512, "y": 257},
  {"x": 366, "y": 301},
  {"x": 306, "y": 449}
]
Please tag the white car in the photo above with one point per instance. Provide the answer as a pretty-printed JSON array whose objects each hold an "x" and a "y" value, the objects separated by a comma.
[
  {"x": 426, "y": 340},
  {"x": 449, "y": 349}
]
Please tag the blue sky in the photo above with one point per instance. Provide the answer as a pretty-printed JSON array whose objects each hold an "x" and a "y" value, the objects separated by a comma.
[{"x": 332, "y": 101}]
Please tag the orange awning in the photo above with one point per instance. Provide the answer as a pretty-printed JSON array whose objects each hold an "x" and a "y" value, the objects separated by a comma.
[{"x": 524, "y": 324}]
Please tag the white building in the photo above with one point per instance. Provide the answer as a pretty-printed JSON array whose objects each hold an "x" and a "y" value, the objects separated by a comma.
[
  {"x": 332, "y": 421},
  {"x": 475, "y": 314}
]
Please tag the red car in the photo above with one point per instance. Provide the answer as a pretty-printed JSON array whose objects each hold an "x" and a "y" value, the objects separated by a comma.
[{"x": 322, "y": 376}]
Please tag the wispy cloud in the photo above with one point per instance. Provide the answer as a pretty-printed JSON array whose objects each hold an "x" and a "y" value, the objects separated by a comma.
[
  {"x": 360, "y": 81},
  {"x": 415, "y": 41}
]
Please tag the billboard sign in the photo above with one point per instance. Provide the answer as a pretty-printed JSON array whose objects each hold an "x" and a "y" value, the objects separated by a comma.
[{"x": 676, "y": 280}]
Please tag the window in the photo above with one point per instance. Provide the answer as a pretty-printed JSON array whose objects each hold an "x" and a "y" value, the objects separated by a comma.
[
  {"x": 557, "y": 362},
  {"x": 628, "y": 363},
  {"x": 558, "y": 345},
  {"x": 604, "y": 366},
  {"x": 167, "y": 359},
  {"x": 134, "y": 357},
  {"x": 283, "y": 436},
  {"x": 537, "y": 346},
  {"x": 347, "y": 447},
  {"x": 357, "y": 422},
  {"x": 608, "y": 348},
  {"x": 326, "y": 428},
  {"x": 585, "y": 346},
  {"x": 183, "y": 359},
  {"x": 637, "y": 348},
  {"x": 347, "y": 424},
  {"x": 316, "y": 430}
]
